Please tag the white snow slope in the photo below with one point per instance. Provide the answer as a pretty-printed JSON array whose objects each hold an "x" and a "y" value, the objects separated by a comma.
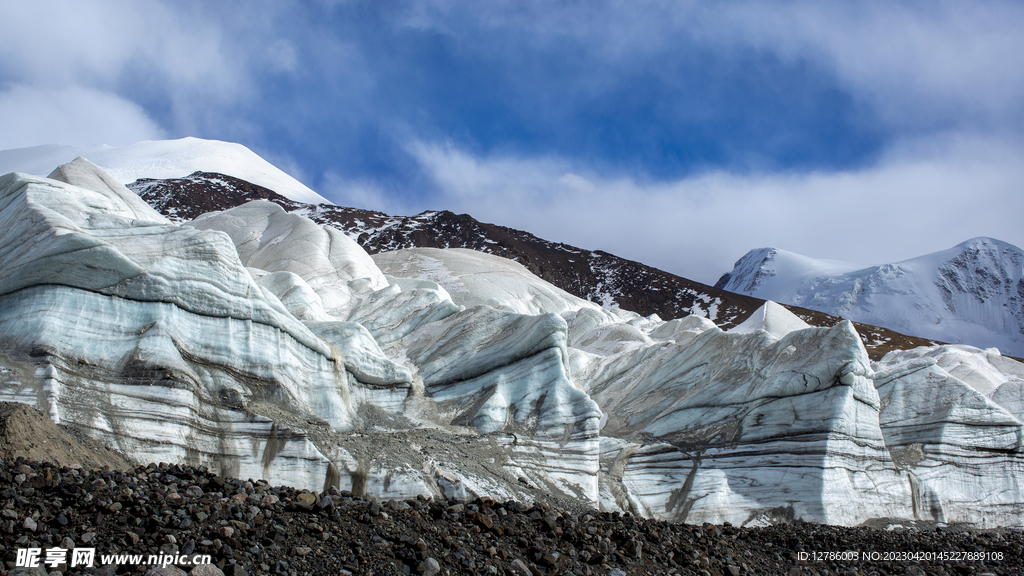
[
  {"x": 261, "y": 344},
  {"x": 163, "y": 159},
  {"x": 972, "y": 293}
]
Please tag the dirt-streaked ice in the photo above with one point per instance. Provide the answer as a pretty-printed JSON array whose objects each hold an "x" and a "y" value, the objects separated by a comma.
[{"x": 263, "y": 345}]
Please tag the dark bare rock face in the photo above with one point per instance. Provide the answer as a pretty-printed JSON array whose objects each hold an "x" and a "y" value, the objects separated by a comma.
[
  {"x": 596, "y": 276},
  {"x": 182, "y": 199}
]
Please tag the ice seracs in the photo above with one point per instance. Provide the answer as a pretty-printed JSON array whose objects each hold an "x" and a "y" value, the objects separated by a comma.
[
  {"x": 949, "y": 435},
  {"x": 269, "y": 239},
  {"x": 477, "y": 279},
  {"x": 205, "y": 362},
  {"x": 709, "y": 429},
  {"x": 261, "y": 344},
  {"x": 150, "y": 336}
]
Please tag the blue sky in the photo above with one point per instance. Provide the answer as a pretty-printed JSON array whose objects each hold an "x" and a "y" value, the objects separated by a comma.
[{"x": 680, "y": 134}]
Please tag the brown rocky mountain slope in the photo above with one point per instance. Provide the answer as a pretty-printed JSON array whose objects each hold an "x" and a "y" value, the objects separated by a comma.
[{"x": 594, "y": 275}]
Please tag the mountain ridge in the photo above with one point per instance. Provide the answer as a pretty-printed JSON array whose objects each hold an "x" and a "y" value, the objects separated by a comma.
[
  {"x": 593, "y": 275},
  {"x": 596, "y": 276}
]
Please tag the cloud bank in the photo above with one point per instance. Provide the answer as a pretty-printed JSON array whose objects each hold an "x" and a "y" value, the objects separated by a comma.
[
  {"x": 71, "y": 115},
  {"x": 677, "y": 133},
  {"x": 919, "y": 198}
]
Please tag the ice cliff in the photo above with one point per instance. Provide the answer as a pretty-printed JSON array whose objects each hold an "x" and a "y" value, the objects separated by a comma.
[{"x": 261, "y": 344}]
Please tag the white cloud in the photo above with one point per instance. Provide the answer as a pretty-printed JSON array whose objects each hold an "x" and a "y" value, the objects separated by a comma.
[
  {"x": 75, "y": 116},
  {"x": 169, "y": 57},
  {"x": 106, "y": 42},
  {"x": 361, "y": 193},
  {"x": 912, "y": 61},
  {"x": 282, "y": 56},
  {"x": 920, "y": 198}
]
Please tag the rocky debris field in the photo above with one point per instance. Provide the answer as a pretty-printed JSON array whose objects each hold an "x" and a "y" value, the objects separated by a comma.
[
  {"x": 249, "y": 527},
  {"x": 30, "y": 434}
]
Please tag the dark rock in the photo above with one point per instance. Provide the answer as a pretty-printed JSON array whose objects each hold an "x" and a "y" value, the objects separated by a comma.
[{"x": 523, "y": 540}]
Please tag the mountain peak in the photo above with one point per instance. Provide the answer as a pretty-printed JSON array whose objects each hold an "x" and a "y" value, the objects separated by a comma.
[
  {"x": 983, "y": 240},
  {"x": 972, "y": 293},
  {"x": 756, "y": 269},
  {"x": 164, "y": 159}
]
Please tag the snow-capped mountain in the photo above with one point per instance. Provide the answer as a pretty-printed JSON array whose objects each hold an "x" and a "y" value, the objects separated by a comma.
[
  {"x": 261, "y": 344},
  {"x": 776, "y": 271},
  {"x": 972, "y": 293},
  {"x": 163, "y": 159}
]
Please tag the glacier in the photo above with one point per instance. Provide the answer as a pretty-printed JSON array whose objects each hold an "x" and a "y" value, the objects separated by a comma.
[{"x": 261, "y": 344}]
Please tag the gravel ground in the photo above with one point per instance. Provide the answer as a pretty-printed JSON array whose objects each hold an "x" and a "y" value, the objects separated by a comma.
[
  {"x": 30, "y": 434},
  {"x": 248, "y": 527}
]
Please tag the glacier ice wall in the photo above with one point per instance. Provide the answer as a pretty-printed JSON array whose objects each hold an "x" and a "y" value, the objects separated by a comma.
[
  {"x": 771, "y": 420},
  {"x": 742, "y": 426},
  {"x": 946, "y": 427},
  {"x": 263, "y": 345},
  {"x": 171, "y": 343},
  {"x": 154, "y": 337}
]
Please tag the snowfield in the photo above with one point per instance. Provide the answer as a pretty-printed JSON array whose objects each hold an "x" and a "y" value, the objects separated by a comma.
[{"x": 163, "y": 159}]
